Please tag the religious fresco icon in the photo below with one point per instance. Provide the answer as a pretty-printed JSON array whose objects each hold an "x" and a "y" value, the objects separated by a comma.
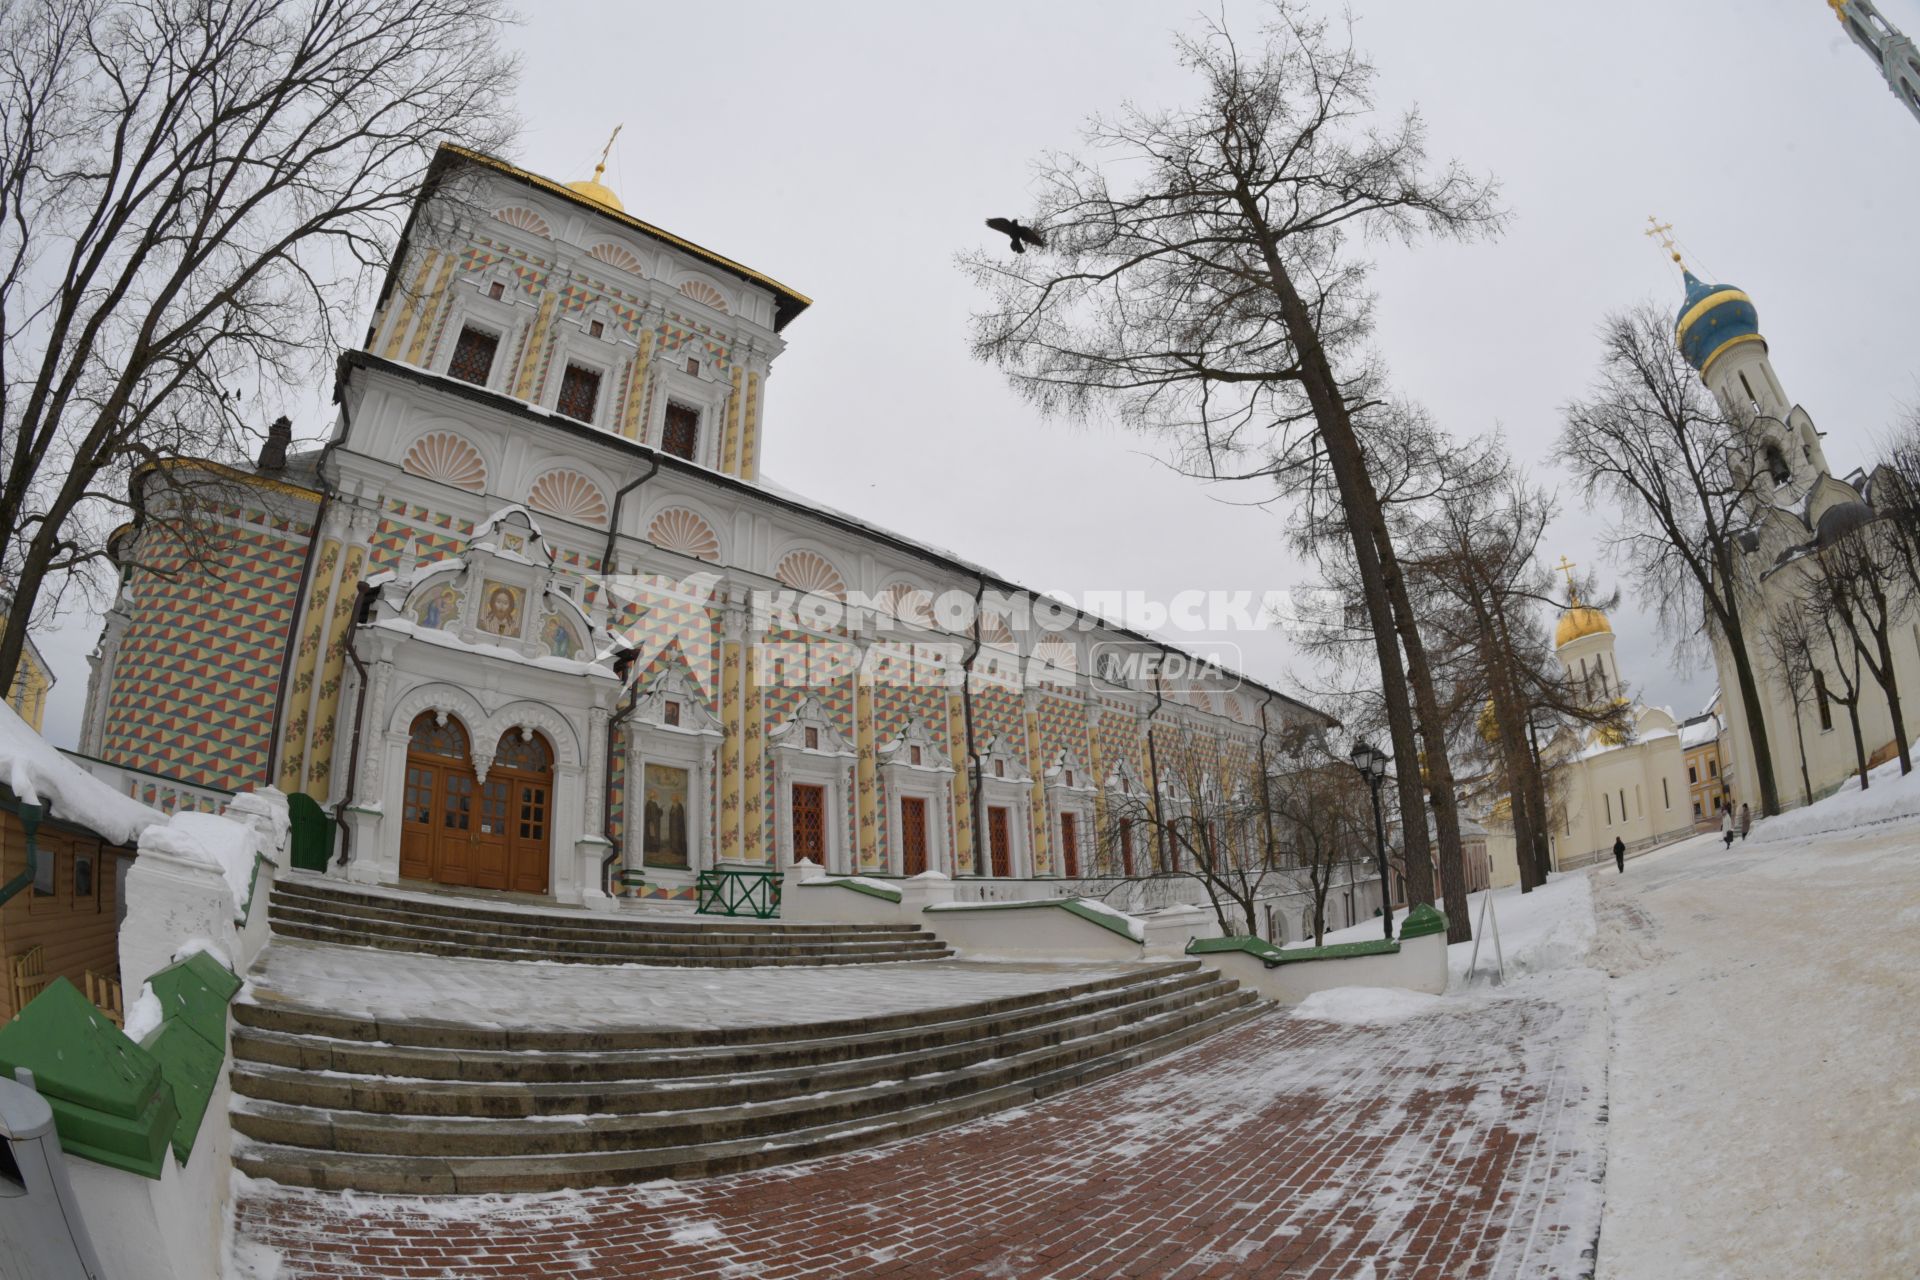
[
  {"x": 500, "y": 609},
  {"x": 439, "y": 609},
  {"x": 665, "y": 826},
  {"x": 558, "y": 637}
]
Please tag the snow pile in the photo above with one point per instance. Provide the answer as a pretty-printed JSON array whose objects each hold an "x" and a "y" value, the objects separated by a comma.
[
  {"x": 144, "y": 1015},
  {"x": 1135, "y": 929},
  {"x": 209, "y": 838},
  {"x": 1540, "y": 932},
  {"x": 1888, "y": 798},
  {"x": 864, "y": 881},
  {"x": 1366, "y": 1006},
  {"x": 38, "y": 774}
]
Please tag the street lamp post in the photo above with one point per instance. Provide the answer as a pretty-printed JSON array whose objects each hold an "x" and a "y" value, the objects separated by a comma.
[{"x": 1372, "y": 766}]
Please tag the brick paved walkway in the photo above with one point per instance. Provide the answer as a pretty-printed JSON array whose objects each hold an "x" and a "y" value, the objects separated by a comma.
[{"x": 1463, "y": 1142}]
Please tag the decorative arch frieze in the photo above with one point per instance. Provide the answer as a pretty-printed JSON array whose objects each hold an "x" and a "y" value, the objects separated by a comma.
[
  {"x": 809, "y": 571},
  {"x": 681, "y": 530},
  {"x": 443, "y": 700},
  {"x": 446, "y": 457},
  {"x": 705, "y": 294},
  {"x": 618, "y": 256},
  {"x": 525, "y": 219},
  {"x": 537, "y": 717},
  {"x": 565, "y": 493}
]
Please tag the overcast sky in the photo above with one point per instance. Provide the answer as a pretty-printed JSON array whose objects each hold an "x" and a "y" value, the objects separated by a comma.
[{"x": 849, "y": 150}]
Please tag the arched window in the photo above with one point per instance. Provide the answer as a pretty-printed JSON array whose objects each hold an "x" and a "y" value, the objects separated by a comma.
[
  {"x": 1777, "y": 465},
  {"x": 525, "y": 755},
  {"x": 432, "y": 738}
]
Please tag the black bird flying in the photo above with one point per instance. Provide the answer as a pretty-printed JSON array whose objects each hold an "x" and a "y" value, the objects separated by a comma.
[{"x": 1016, "y": 234}]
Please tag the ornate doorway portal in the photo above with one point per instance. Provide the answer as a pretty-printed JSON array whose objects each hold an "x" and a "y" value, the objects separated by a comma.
[{"x": 455, "y": 830}]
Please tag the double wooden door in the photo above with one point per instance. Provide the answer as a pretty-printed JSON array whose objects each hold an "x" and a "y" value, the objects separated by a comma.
[
  {"x": 913, "y": 835},
  {"x": 1000, "y": 839},
  {"x": 457, "y": 830}
]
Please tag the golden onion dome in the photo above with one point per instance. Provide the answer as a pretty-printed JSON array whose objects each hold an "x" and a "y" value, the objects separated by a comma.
[
  {"x": 598, "y": 192},
  {"x": 1580, "y": 621},
  {"x": 1489, "y": 723}
]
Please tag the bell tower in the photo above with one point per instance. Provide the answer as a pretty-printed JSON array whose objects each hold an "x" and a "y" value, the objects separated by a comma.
[{"x": 1718, "y": 331}]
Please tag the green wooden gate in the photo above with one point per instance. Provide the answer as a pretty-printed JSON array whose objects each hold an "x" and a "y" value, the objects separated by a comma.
[{"x": 312, "y": 832}]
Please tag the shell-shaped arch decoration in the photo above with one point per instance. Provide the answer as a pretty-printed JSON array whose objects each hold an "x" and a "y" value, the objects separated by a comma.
[
  {"x": 1057, "y": 654},
  {"x": 568, "y": 495},
  {"x": 616, "y": 256},
  {"x": 680, "y": 530},
  {"x": 993, "y": 630},
  {"x": 909, "y": 604},
  {"x": 446, "y": 456},
  {"x": 811, "y": 572},
  {"x": 705, "y": 294},
  {"x": 525, "y": 219}
]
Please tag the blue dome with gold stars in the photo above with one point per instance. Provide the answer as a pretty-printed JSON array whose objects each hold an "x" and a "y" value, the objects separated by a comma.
[{"x": 1713, "y": 318}]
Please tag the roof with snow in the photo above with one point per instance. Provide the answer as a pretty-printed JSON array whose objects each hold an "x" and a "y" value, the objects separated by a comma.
[{"x": 36, "y": 773}]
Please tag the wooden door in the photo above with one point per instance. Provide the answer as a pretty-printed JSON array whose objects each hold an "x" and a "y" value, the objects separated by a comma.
[
  {"x": 524, "y": 768},
  {"x": 488, "y": 860},
  {"x": 1126, "y": 846},
  {"x": 1070, "y": 843},
  {"x": 809, "y": 823},
  {"x": 999, "y": 839},
  {"x": 436, "y": 821},
  {"x": 913, "y": 835}
]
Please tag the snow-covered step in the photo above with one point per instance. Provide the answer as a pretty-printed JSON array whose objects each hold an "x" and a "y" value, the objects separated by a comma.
[
  {"x": 311, "y": 909},
  {"x": 339, "y": 1148},
  {"x": 420, "y": 1081}
]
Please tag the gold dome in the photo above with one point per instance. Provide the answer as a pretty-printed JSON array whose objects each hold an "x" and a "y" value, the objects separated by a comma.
[
  {"x": 1580, "y": 621},
  {"x": 597, "y": 192}
]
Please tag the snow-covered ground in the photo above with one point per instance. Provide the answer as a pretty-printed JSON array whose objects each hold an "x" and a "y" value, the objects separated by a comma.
[
  {"x": 1888, "y": 798},
  {"x": 1764, "y": 1115}
]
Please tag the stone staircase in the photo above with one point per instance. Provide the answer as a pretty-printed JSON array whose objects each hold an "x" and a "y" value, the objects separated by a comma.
[
  {"x": 337, "y": 1101},
  {"x": 317, "y": 911}
]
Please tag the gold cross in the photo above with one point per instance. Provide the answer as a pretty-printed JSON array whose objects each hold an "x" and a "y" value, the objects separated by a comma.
[
  {"x": 605, "y": 151},
  {"x": 1664, "y": 232},
  {"x": 1567, "y": 567}
]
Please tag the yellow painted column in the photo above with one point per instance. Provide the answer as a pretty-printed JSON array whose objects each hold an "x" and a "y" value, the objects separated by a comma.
[
  {"x": 868, "y": 771},
  {"x": 637, "y": 392},
  {"x": 523, "y": 384},
  {"x": 753, "y": 781},
  {"x": 730, "y": 443},
  {"x": 1042, "y": 846},
  {"x": 749, "y": 434},
  {"x": 429, "y": 309},
  {"x": 327, "y": 703},
  {"x": 408, "y": 306},
  {"x": 962, "y": 802},
  {"x": 298, "y": 695},
  {"x": 731, "y": 684}
]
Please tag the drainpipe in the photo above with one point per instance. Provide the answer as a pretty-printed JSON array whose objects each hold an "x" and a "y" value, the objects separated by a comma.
[
  {"x": 306, "y": 576},
  {"x": 621, "y": 667},
  {"x": 1266, "y": 796},
  {"x": 620, "y": 715},
  {"x": 980, "y": 862},
  {"x": 30, "y": 816},
  {"x": 360, "y": 604}
]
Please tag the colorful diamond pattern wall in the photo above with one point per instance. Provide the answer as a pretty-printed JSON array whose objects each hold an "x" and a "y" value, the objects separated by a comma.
[{"x": 199, "y": 669}]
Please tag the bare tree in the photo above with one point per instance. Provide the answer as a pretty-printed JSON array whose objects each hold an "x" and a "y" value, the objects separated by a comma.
[
  {"x": 1671, "y": 465},
  {"x": 1792, "y": 639},
  {"x": 1825, "y": 605},
  {"x": 1473, "y": 556},
  {"x": 1322, "y": 815},
  {"x": 1217, "y": 302},
  {"x": 1863, "y": 581},
  {"x": 190, "y": 192}
]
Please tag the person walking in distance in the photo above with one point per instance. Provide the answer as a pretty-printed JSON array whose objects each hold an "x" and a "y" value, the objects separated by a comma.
[
  {"x": 1726, "y": 826},
  {"x": 1746, "y": 821},
  {"x": 1620, "y": 854}
]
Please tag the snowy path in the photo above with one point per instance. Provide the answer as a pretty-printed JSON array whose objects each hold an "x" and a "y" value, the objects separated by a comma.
[{"x": 1765, "y": 1116}]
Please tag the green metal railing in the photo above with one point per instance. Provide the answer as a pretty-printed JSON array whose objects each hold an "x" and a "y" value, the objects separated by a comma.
[{"x": 727, "y": 892}]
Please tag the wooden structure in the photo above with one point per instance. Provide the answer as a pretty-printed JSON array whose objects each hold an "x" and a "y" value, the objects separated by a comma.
[{"x": 67, "y": 922}]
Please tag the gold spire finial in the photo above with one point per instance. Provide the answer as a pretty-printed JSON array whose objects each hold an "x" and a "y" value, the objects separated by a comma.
[
  {"x": 1567, "y": 567},
  {"x": 1839, "y": 8},
  {"x": 1664, "y": 232},
  {"x": 606, "y": 151}
]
